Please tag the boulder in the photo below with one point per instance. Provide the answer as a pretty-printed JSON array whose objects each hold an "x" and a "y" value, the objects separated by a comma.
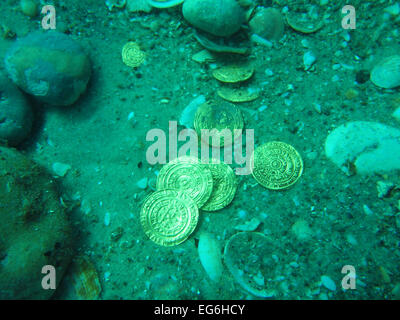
[
  {"x": 34, "y": 230},
  {"x": 50, "y": 66},
  {"x": 218, "y": 17}
]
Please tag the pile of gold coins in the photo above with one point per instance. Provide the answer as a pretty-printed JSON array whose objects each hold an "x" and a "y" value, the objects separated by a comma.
[{"x": 170, "y": 214}]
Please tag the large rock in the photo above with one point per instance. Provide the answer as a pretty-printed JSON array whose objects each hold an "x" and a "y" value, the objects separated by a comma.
[
  {"x": 15, "y": 113},
  {"x": 366, "y": 147},
  {"x": 34, "y": 230},
  {"x": 218, "y": 17},
  {"x": 50, "y": 66}
]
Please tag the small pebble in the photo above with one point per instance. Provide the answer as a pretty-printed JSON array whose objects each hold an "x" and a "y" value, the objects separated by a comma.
[
  {"x": 328, "y": 283},
  {"x": 142, "y": 183}
]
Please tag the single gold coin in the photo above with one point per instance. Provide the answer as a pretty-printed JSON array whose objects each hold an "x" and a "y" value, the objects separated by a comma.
[
  {"x": 238, "y": 94},
  {"x": 222, "y": 120},
  {"x": 188, "y": 175},
  {"x": 234, "y": 73},
  {"x": 132, "y": 55},
  {"x": 224, "y": 187},
  {"x": 276, "y": 165},
  {"x": 168, "y": 217}
]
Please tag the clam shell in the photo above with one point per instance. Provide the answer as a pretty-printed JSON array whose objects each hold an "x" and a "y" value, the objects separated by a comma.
[{"x": 386, "y": 74}]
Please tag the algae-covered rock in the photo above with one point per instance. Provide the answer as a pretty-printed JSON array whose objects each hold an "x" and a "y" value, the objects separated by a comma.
[
  {"x": 218, "y": 17},
  {"x": 50, "y": 66},
  {"x": 15, "y": 113},
  {"x": 34, "y": 231}
]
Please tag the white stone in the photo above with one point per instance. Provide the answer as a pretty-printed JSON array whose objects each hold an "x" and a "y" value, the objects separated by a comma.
[
  {"x": 187, "y": 116},
  {"x": 328, "y": 283},
  {"x": 142, "y": 183},
  {"x": 370, "y": 147},
  {"x": 210, "y": 256},
  {"x": 309, "y": 59},
  {"x": 60, "y": 169},
  {"x": 396, "y": 113}
]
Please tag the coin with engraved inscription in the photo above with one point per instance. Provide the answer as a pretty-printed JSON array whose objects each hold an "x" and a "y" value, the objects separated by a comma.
[
  {"x": 132, "y": 55},
  {"x": 276, "y": 165},
  {"x": 188, "y": 175},
  {"x": 218, "y": 123},
  {"x": 224, "y": 189},
  {"x": 168, "y": 217}
]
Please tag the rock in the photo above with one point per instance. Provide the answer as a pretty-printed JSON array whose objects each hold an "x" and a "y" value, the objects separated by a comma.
[
  {"x": 29, "y": 7},
  {"x": 364, "y": 147},
  {"x": 50, "y": 66},
  {"x": 301, "y": 230},
  {"x": 34, "y": 228},
  {"x": 16, "y": 115},
  {"x": 328, "y": 283},
  {"x": 210, "y": 256},
  {"x": 218, "y": 17}
]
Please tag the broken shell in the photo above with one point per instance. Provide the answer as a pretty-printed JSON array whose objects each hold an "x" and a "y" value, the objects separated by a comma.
[
  {"x": 234, "y": 72},
  {"x": 386, "y": 74},
  {"x": 247, "y": 271},
  {"x": 85, "y": 279},
  {"x": 238, "y": 94},
  {"x": 204, "y": 56},
  {"x": 302, "y": 22}
]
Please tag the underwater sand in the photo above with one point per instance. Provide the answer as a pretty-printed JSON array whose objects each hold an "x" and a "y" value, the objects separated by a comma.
[{"x": 107, "y": 155}]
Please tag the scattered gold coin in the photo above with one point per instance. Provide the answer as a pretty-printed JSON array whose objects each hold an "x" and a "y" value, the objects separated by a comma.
[
  {"x": 224, "y": 187},
  {"x": 276, "y": 165},
  {"x": 168, "y": 217},
  {"x": 132, "y": 55},
  {"x": 238, "y": 94},
  {"x": 216, "y": 117},
  {"x": 188, "y": 175},
  {"x": 234, "y": 73}
]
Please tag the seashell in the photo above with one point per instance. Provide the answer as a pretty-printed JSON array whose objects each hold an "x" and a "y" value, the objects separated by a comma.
[
  {"x": 267, "y": 23},
  {"x": 223, "y": 45},
  {"x": 250, "y": 272},
  {"x": 85, "y": 279},
  {"x": 386, "y": 74},
  {"x": 162, "y": 4},
  {"x": 303, "y": 23},
  {"x": 210, "y": 256}
]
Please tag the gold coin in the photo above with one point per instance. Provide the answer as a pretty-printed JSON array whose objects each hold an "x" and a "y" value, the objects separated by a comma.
[
  {"x": 238, "y": 94},
  {"x": 276, "y": 165},
  {"x": 234, "y": 73},
  {"x": 223, "y": 120},
  {"x": 224, "y": 187},
  {"x": 132, "y": 56},
  {"x": 188, "y": 175},
  {"x": 168, "y": 217}
]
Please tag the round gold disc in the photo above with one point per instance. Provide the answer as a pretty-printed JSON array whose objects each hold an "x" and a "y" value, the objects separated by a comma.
[
  {"x": 132, "y": 55},
  {"x": 224, "y": 187},
  {"x": 168, "y": 217},
  {"x": 223, "y": 120},
  {"x": 276, "y": 165},
  {"x": 188, "y": 175},
  {"x": 234, "y": 73}
]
